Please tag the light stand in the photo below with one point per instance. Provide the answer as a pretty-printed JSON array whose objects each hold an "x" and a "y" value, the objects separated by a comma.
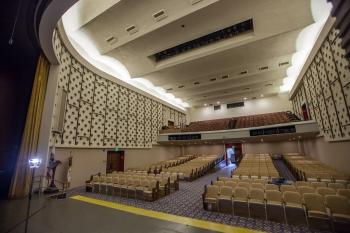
[{"x": 33, "y": 164}]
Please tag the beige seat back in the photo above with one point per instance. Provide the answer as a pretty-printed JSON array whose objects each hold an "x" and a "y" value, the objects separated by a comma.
[
  {"x": 95, "y": 178},
  {"x": 115, "y": 180},
  {"x": 338, "y": 204},
  {"x": 241, "y": 192},
  {"x": 226, "y": 191},
  {"x": 336, "y": 186},
  {"x": 244, "y": 184},
  {"x": 316, "y": 185},
  {"x": 325, "y": 191},
  {"x": 218, "y": 183},
  {"x": 271, "y": 187},
  {"x": 314, "y": 202},
  {"x": 212, "y": 191},
  {"x": 344, "y": 193},
  {"x": 257, "y": 194},
  {"x": 291, "y": 197},
  {"x": 285, "y": 188},
  {"x": 273, "y": 196},
  {"x": 305, "y": 189},
  {"x": 231, "y": 184},
  {"x": 257, "y": 186},
  {"x": 302, "y": 183}
]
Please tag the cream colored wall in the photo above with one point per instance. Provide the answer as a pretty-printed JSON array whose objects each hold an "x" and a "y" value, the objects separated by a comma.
[
  {"x": 270, "y": 147},
  {"x": 334, "y": 154},
  {"x": 204, "y": 149},
  {"x": 92, "y": 161},
  {"x": 276, "y": 103}
]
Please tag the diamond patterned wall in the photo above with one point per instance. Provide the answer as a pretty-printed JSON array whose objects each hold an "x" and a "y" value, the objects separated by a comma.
[
  {"x": 326, "y": 90},
  {"x": 101, "y": 113}
]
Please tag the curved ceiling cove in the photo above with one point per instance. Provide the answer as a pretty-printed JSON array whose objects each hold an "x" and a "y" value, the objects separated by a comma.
[{"x": 121, "y": 38}]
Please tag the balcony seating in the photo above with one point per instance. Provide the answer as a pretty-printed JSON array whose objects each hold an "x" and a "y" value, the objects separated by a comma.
[{"x": 236, "y": 122}]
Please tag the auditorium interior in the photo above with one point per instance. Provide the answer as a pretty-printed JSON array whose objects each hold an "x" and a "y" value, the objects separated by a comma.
[{"x": 175, "y": 116}]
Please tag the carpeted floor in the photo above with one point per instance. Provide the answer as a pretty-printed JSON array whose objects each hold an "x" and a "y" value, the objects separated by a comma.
[
  {"x": 188, "y": 202},
  {"x": 283, "y": 169}
]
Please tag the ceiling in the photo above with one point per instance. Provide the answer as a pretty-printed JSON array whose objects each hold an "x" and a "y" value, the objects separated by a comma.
[{"x": 196, "y": 76}]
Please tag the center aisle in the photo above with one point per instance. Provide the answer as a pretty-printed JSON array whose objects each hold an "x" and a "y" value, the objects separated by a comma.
[{"x": 187, "y": 202}]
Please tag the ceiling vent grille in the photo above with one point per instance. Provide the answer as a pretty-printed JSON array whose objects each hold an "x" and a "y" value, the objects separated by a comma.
[
  {"x": 219, "y": 35},
  {"x": 217, "y": 107},
  {"x": 111, "y": 40},
  {"x": 132, "y": 29},
  {"x": 283, "y": 63},
  {"x": 160, "y": 15},
  {"x": 264, "y": 68},
  {"x": 235, "y": 105},
  {"x": 193, "y": 2}
]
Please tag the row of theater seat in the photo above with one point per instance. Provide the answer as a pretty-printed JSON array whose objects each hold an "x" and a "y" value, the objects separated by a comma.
[
  {"x": 156, "y": 168},
  {"x": 236, "y": 122},
  {"x": 196, "y": 167},
  {"x": 256, "y": 166},
  {"x": 262, "y": 119},
  {"x": 306, "y": 168},
  {"x": 138, "y": 186},
  {"x": 293, "y": 204}
]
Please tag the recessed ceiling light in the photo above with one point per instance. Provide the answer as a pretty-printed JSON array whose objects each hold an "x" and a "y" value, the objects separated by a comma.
[
  {"x": 245, "y": 98},
  {"x": 261, "y": 95},
  {"x": 205, "y": 104},
  {"x": 218, "y": 102}
]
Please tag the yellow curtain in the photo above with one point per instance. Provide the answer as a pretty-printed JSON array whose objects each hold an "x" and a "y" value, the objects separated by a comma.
[{"x": 30, "y": 137}]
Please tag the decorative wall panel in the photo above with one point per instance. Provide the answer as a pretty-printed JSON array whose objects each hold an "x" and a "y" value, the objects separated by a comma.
[
  {"x": 101, "y": 113},
  {"x": 326, "y": 86}
]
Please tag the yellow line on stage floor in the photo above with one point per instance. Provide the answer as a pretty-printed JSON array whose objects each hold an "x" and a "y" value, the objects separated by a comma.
[{"x": 166, "y": 217}]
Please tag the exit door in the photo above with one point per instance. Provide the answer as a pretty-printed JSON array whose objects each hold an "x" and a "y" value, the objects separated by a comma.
[{"x": 115, "y": 161}]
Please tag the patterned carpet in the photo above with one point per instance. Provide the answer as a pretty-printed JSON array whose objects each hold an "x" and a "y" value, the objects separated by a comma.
[
  {"x": 188, "y": 202},
  {"x": 283, "y": 169}
]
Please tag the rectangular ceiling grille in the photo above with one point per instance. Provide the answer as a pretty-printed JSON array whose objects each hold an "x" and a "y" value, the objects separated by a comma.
[
  {"x": 225, "y": 33},
  {"x": 235, "y": 105},
  {"x": 217, "y": 107}
]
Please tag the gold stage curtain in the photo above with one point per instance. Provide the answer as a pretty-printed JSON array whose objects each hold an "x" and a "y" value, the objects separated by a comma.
[{"x": 22, "y": 174}]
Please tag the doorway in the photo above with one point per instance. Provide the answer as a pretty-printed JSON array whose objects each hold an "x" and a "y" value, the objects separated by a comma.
[
  {"x": 115, "y": 161},
  {"x": 233, "y": 152},
  {"x": 305, "y": 112}
]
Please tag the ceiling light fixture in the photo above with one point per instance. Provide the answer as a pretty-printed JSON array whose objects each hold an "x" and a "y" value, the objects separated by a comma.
[
  {"x": 205, "y": 105},
  {"x": 261, "y": 95},
  {"x": 245, "y": 98},
  {"x": 218, "y": 102}
]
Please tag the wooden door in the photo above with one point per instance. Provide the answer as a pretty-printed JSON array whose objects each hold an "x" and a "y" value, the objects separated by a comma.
[{"x": 115, "y": 161}]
